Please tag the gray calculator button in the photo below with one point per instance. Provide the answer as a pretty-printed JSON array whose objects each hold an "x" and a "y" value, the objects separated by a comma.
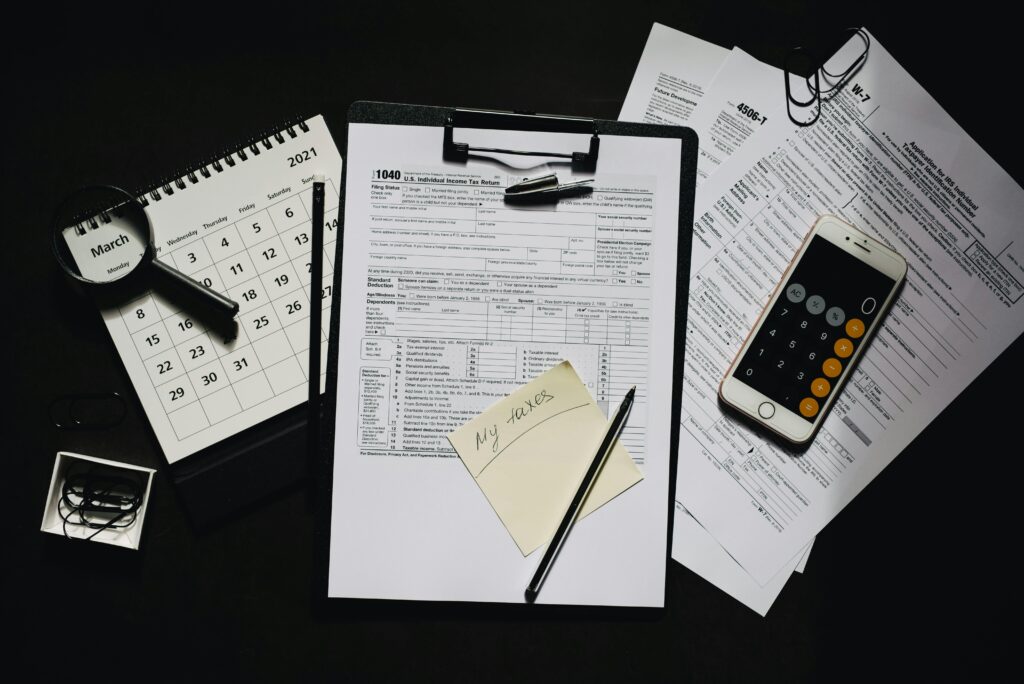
[
  {"x": 815, "y": 304},
  {"x": 835, "y": 316},
  {"x": 795, "y": 293}
]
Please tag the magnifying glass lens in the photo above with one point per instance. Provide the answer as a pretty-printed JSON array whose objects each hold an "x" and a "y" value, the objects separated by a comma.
[{"x": 102, "y": 234}]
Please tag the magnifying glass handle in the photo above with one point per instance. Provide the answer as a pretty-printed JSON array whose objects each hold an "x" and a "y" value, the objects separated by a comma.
[{"x": 213, "y": 299}]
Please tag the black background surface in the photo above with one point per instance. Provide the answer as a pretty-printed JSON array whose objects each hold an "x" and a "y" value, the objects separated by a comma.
[{"x": 918, "y": 576}]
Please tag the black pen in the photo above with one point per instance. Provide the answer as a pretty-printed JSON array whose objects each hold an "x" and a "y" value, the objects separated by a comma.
[
  {"x": 316, "y": 268},
  {"x": 546, "y": 189},
  {"x": 611, "y": 434}
]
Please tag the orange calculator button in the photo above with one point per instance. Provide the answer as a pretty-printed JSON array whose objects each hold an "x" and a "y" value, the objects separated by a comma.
[
  {"x": 820, "y": 387},
  {"x": 854, "y": 327},
  {"x": 808, "y": 407},
  {"x": 832, "y": 368},
  {"x": 843, "y": 347}
]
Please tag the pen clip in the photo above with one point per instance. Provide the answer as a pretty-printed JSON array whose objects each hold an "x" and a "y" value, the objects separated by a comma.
[
  {"x": 538, "y": 184},
  {"x": 545, "y": 189}
]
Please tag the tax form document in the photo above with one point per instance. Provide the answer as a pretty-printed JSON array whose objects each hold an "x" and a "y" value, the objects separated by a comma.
[
  {"x": 697, "y": 550},
  {"x": 450, "y": 300},
  {"x": 674, "y": 72},
  {"x": 745, "y": 95},
  {"x": 684, "y": 80},
  {"x": 885, "y": 157}
]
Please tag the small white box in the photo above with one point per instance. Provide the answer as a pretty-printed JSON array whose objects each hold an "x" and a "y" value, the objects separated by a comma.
[{"x": 128, "y": 537}]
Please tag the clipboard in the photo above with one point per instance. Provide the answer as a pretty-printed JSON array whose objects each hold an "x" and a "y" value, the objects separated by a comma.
[{"x": 453, "y": 150}]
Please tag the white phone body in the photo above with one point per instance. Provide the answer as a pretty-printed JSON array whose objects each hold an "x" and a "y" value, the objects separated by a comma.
[{"x": 779, "y": 378}]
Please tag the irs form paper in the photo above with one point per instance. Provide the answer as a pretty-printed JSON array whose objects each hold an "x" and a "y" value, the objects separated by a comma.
[
  {"x": 451, "y": 300},
  {"x": 804, "y": 557},
  {"x": 885, "y": 157},
  {"x": 697, "y": 550},
  {"x": 671, "y": 78},
  {"x": 745, "y": 95},
  {"x": 736, "y": 106},
  {"x": 677, "y": 66}
]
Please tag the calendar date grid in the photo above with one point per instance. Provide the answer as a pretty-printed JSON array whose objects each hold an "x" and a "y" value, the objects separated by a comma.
[{"x": 203, "y": 380}]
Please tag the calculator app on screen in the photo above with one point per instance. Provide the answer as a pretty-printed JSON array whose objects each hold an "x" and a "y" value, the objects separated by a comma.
[{"x": 801, "y": 352}]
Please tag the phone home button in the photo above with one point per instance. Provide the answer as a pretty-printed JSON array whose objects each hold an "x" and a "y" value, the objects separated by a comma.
[{"x": 766, "y": 409}]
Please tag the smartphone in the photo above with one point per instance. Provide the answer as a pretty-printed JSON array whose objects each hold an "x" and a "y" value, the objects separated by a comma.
[{"x": 813, "y": 330}]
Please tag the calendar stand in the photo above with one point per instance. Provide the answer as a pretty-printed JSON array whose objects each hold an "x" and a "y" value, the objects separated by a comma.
[{"x": 227, "y": 407}]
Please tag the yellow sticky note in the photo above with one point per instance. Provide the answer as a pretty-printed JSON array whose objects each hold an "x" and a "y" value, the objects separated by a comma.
[{"x": 529, "y": 451}]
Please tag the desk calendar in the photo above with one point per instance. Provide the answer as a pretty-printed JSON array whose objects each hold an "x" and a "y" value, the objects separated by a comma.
[{"x": 240, "y": 225}]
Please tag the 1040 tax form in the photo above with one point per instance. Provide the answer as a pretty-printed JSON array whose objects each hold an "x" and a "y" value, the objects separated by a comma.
[{"x": 449, "y": 301}]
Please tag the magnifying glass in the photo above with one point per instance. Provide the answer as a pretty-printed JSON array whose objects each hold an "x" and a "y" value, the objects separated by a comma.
[{"x": 102, "y": 236}]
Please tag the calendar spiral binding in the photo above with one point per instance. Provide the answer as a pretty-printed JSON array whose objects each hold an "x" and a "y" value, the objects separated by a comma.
[
  {"x": 227, "y": 158},
  {"x": 223, "y": 160}
]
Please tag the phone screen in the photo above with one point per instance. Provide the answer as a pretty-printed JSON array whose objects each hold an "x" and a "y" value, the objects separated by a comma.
[{"x": 801, "y": 353}]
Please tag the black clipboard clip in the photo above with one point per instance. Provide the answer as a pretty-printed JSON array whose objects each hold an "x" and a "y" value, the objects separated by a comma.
[
  {"x": 519, "y": 121},
  {"x": 835, "y": 81}
]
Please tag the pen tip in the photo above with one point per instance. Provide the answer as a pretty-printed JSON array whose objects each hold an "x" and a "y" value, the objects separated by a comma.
[
  {"x": 318, "y": 178},
  {"x": 531, "y": 596}
]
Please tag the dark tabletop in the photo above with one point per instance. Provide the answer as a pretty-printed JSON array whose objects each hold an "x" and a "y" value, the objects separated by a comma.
[{"x": 918, "y": 576}]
